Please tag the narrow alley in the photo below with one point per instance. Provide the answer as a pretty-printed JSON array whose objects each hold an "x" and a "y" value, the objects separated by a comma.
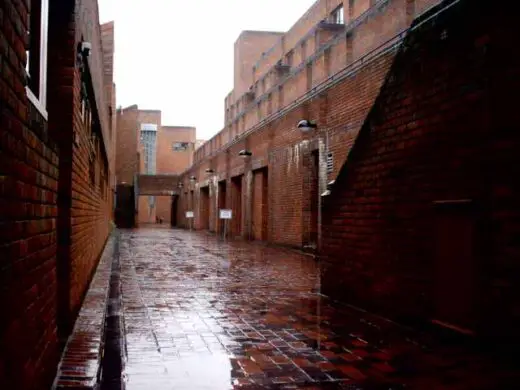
[
  {"x": 346, "y": 218},
  {"x": 201, "y": 313}
]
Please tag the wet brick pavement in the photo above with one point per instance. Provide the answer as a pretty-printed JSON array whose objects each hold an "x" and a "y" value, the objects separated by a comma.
[{"x": 200, "y": 313}]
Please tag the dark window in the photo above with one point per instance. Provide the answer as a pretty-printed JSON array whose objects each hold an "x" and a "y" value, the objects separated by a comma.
[{"x": 180, "y": 146}]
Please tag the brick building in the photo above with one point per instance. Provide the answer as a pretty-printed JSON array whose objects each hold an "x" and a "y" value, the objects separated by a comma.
[
  {"x": 147, "y": 147},
  {"x": 405, "y": 179},
  {"x": 329, "y": 68},
  {"x": 56, "y": 154}
]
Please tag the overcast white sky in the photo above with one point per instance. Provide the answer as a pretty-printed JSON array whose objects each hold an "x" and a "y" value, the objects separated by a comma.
[{"x": 177, "y": 55}]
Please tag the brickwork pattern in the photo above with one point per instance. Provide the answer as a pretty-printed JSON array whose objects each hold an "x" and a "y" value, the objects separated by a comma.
[
  {"x": 54, "y": 223},
  {"x": 308, "y": 54},
  {"x": 127, "y": 162},
  {"x": 440, "y": 130},
  {"x": 339, "y": 109},
  {"x": 85, "y": 201},
  {"x": 171, "y": 161},
  {"x": 28, "y": 206}
]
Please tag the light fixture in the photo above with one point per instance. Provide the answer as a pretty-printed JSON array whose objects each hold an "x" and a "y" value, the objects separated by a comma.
[
  {"x": 305, "y": 125},
  {"x": 83, "y": 51},
  {"x": 209, "y": 170},
  {"x": 245, "y": 153},
  {"x": 328, "y": 191},
  {"x": 193, "y": 178},
  {"x": 180, "y": 185}
]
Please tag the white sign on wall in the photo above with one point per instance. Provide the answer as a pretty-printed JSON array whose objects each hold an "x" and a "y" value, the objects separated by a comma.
[
  {"x": 189, "y": 214},
  {"x": 225, "y": 214}
]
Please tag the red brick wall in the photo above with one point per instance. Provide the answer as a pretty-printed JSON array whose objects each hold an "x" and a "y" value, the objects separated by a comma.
[
  {"x": 127, "y": 163},
  {"x": 260, "y": 204},
  {"x": 107, "y": 40},
  {"x": 163, "y": 208},
  {"x": 248, "y": 47},
  {"x": 90, "y": 213},
  {"x": 157, "y": 184},
  {"x": 442, "y": 129},
  {"x": 85, "y": 203},
  {"x": 28, "y": 206},
  {"x": 281, "y": 147},
  {"x": 168, "y": 160},
  {"x": 128, "y": 147},
  {"x": 359, "y": 62},
  {"x": 319, "y": 52}
]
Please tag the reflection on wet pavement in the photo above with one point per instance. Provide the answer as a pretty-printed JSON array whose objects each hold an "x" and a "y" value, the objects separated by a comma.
[{"x": 204, "y": 314}]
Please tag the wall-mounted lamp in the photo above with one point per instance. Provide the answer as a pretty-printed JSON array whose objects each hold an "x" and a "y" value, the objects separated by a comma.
[
  {"x": 193, "y": 178},
  {"x": 180, "y": 185},
  {"x": 209, "y": 170},
  {"x": 83, "y": 50},
  {"x": 328, "y": 191},
  {"x": 305, "y": 125},
  {"x": 245, "y": 153}
]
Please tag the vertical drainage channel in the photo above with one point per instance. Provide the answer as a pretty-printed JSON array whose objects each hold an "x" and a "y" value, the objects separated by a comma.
[{"x": 112, "y": 364}]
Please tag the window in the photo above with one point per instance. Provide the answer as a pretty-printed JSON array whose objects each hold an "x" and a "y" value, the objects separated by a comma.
[
  {"x": 289, "y": 58},
  {"x": 149, "y": 141},
  {"x": 36, "y": 67},
  {"x": 180, "y": 146},
  {"x": 338, "y": 16}
]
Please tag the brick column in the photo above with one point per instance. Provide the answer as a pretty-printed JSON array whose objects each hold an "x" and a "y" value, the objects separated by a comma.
[{"x": 247, "y": 195}]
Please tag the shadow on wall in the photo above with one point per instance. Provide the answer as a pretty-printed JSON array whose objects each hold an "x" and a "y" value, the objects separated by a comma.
[{"x": 422, "y": 220}]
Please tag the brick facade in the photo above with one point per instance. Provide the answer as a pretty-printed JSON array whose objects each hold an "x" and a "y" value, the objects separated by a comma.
[
  {"x": 127, "y": 160},
  {"x": 318, "y": 70},
  {"x": 174, "y": 153},
  {"x": 29, "y": 210},
  {"x": 54, "y": 222},
  {"x": 422, "y": 220},
  {"x": 85, "y": 204},
  {"x": 169, "y": 160}
]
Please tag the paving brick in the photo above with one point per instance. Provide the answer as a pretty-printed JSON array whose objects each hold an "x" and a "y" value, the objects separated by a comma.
[{"x": 179, "y": 296}]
